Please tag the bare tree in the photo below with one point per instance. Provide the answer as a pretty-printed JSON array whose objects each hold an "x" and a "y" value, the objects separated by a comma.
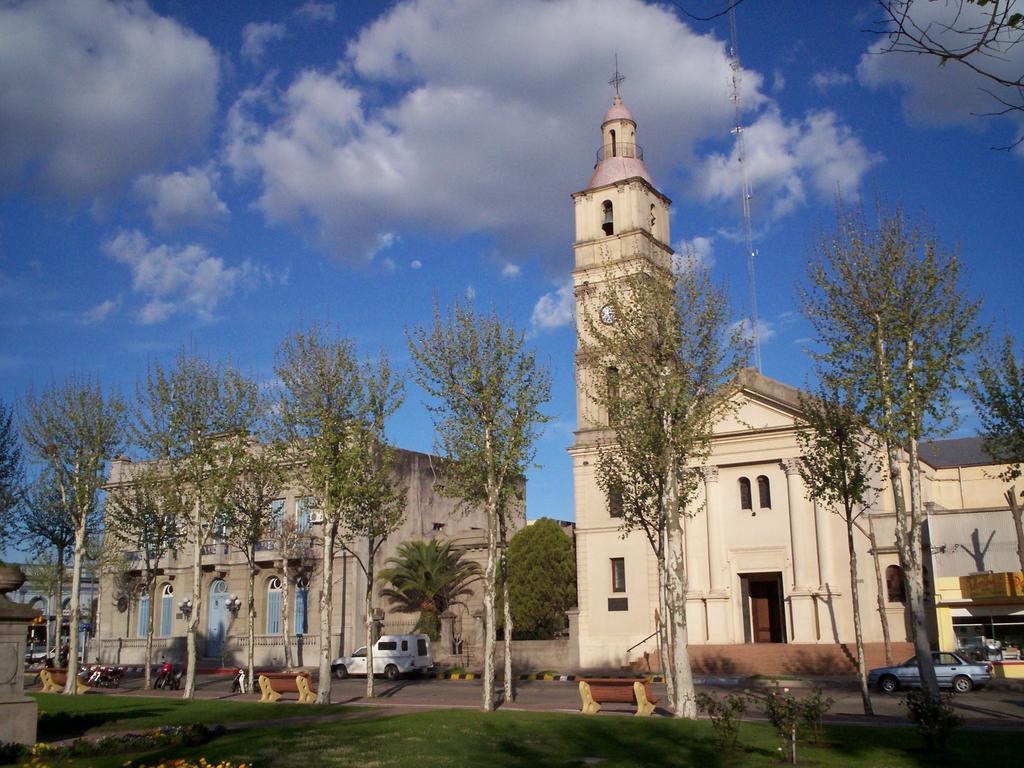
[
  {"x": 186, "y": 417},
  {"x": 661, "y": 366},
  {"x": 997, "y": 390},
  {"x": 839, "y": 458},
  {"x": 254, "y": 482},
  {"x": 12, "y": 477},
  {"x": 144, "y": 512},
  {"x": 71, "y": 429},
  {"x": 894, "y": 326},
  {"x": 296, "y": 560},
  {"x": 486, "y": 391}
]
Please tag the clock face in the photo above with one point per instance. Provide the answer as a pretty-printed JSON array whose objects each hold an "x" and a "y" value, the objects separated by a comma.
[{"x": 607, "y": 314}]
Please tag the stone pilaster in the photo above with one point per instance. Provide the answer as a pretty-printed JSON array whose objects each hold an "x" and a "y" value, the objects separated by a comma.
[{"x": 802, "y": 536}]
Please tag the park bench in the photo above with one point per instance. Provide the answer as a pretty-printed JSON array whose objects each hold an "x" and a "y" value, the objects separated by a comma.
[
  {"x": 274, "y": 684},
  {"x": 595, "y": 691},
  {"x": 53, "y": 681}
]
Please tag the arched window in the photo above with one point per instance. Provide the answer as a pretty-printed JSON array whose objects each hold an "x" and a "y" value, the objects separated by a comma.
[
  {"x": 745, "y": 498},
  {"x": 166, "y": 610},
  {"x": 895, "y": 589},
  {"x": 611, "y": 380},
  {"x": 301, "y": 606},
  {"x": 615, "y": 150},
  {"x": 143, "y": 614},
  {"x": 615, "y": 501},
  {"x": 607, "y": 218},
  {"x": 764, "y": 492},
  {"x": 653, "y": 217},
  {"x": 274, "y": 606}
]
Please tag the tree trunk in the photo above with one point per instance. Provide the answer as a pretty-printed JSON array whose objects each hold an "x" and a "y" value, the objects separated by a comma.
[
  {"x": 147, "y": 665},
  {"x": 1018, "y": 526},
  {"x": 197, "y": 603},
  {"x": 509, "y": 687},
  {"x": 323, "y": 694},
  {"x": 285, "y": 617},
  {"x": 58, "y": 613},
  {"x": 252, "y": 620},
  {"x": 490, "y": 567},
  {"x": 685, "y": 695},
  {"x": 74, "y": 608},
  {"x": 664, "y": 634},
  {"x": 915, "y": 581},
  {"x": 880, "y": 592},
  {"x": 368, "y": 611},
  {"x": 858, "y": 631},
  {"x": 97, "y": 616}
]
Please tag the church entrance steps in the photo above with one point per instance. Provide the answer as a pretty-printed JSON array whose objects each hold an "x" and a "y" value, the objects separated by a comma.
[{"x": 779, "y": 659}]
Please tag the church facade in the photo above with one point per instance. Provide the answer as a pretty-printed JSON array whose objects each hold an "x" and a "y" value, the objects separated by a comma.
[{"x": 765, "y": 564}]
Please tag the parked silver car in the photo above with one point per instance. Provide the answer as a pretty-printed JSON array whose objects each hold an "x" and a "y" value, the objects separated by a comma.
[{"x": 952, "y": 670}]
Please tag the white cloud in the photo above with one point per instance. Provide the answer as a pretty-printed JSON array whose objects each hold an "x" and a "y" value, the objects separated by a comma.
[
  {"x": 831, "y": 78},
  {"x": 511, "y": 270},
  {"x": 784, "y": 158},
  {"x": 257, "y": 35},
  {"x": 470, "y": 293},
  {"x": 554, "y": 309},
  {"x": 175, "y": 279},
  {"x": 765, "y": 330},
  {"x": 778, "y": 80},
  {"x": 314, "y": 11},
  {"x": 475, "y": 91},
  {"x": 416, "y": 264},
  {"x": 100, "y": 312},
  {"x": 182, "y": 198},
  {"x": 96, "y": 92},
  {"x": 699, "y": 250}
]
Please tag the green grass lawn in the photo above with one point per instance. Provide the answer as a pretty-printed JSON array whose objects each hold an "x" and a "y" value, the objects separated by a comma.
[
  {"x": 67, "y": 717},
  {"x": 470, "y": 738}
]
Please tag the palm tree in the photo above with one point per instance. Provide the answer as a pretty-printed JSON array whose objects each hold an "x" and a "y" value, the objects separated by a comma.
[{"x": 429, "y": 577}]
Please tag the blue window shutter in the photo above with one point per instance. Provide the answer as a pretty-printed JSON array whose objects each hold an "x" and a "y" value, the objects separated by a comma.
[
  {"x": 167, "y": 615},
  {"x": 301, "y": 596},
  {"x": 143, "y": 615},
  {"x": 274, "y": 612}
]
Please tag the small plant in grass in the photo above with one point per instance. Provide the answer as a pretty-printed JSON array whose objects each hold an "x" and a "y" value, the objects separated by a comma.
[
  {"x": 934, "y": 720},
  {"x": 455, "y": 671},
  {"x": 725, "y": 714},
  {"x": 813, "y": 709},
  {"x": 786, "y": 715},
  {"x": 11, "y": 752}
]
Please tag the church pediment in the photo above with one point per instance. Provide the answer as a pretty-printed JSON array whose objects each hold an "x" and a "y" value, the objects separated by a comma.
[{"x": 760, "y": 403}]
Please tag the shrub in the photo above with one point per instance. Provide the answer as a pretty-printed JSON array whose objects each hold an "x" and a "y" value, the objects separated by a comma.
[
  {"x": 785, "y": 714},
  {"x": 11, "y": 752},
  {"x": 175, "y": 736},
  {"x": 935, "y": 721},
  {"x": 813, "y": 709},
  {"x": 725, "y": 715}
]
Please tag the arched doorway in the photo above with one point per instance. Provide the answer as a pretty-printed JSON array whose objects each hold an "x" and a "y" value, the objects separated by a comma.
[{"x": 218, "y": 624}]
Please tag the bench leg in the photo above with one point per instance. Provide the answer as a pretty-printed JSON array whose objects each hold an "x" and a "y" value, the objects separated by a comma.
[
  {"x": 47, "y": 680},
  {"x": 643, "y": 706},
  {"x": 81, "y": 687},
  {"x": 267, "y": 692},
  {"x": 587, "y": 704},
  {"x": 306, "y": 694}
]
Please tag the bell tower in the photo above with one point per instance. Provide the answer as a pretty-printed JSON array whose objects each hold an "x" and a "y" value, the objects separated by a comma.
[{"x": 621, "y": 228}]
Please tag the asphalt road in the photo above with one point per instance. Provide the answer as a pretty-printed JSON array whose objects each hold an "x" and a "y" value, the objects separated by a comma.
[{"x": 992, "y": 707}]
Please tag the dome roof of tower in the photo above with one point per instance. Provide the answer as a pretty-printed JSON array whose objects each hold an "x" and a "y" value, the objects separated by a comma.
[
  {"x": 613, "y": 169},
  {"x": 618, "y": 111}
]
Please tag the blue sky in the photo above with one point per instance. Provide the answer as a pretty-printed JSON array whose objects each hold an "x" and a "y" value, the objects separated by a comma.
[{"x": 218, "y": 173}]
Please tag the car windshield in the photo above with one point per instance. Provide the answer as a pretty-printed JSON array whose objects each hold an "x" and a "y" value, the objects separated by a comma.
[
  {"x": 360, "y": 652},
  {"x": 912, "y": 662}
]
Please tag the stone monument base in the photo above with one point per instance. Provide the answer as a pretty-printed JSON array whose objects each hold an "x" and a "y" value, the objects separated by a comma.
[{"x": 18, "y": 717}]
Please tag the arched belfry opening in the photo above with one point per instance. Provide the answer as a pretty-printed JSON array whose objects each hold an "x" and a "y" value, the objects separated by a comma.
[
  {"x": 607, "y": 218},
  {"x": 615, "y": 151}
]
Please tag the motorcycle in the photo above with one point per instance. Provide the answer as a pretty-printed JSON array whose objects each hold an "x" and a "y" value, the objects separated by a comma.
[
  {"x": 167, "y": 677},
  {"x": 239, "y": 684},
  {"x": 104, "y": 677}
]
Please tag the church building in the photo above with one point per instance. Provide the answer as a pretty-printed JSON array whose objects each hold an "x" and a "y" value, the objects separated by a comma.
[{"x": 768, "y": 569}]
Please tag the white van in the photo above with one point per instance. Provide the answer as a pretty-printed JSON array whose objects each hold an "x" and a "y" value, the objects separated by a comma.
[{"x": 393, "y": 655}]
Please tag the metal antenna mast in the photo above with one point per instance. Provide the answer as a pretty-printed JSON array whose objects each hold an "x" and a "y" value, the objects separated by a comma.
[{"x": 737, "y": 74}]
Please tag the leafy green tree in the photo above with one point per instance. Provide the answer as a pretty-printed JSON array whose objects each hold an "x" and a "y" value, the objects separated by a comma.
[
  {"x": 187, "y": 417},
  {"x": 542, "y": 579},
  {"x": 144, "y": 512},
  {"x": 674, "y": 363},
  {"x": 839, "y": 458},
  {"x": 894, "y": 328},
  {"x": 254, "y": 482},
  {"x": 428, "y": 577},
  {"x": 486, "y": 391},
  {"x": 331, "y": 416},
  {"x": 997, "y": 390},
  {"x": 11, "y": 474},
  {"x": 71, "y": 429}
]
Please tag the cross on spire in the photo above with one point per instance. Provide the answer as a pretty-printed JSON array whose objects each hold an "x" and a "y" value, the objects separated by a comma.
[{"x": 617, "y": 78}]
